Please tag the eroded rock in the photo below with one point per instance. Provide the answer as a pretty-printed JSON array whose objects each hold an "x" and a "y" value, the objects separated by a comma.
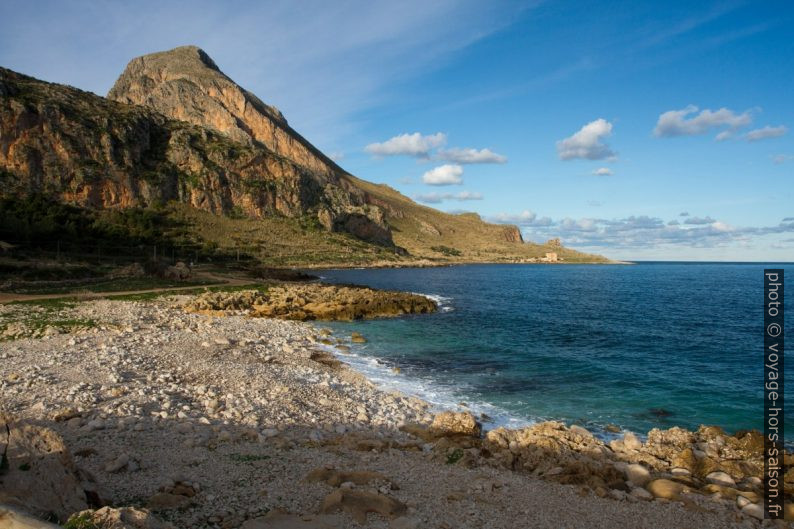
[{"x": 40, "y": 476}]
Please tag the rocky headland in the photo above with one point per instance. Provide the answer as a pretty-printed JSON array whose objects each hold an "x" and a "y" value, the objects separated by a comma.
[
  {"x": 314, "y": 302},
  {"x": 163, "y": 413}
]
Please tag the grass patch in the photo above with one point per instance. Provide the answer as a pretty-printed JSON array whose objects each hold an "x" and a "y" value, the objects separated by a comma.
[
  {"x": 81, "y": 521},
  {"x": 455, "y": 456},
  {"x": 446, "y": 250},
  {"x": 52, "y": 304},
  {"x": 110, "y": 285},
  {"x": 149, "y": 296},
  {"x": 31, "y": 318}
]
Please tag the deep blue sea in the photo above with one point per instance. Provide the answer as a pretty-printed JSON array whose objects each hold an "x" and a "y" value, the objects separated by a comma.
[{"x": 639, "y": 346}]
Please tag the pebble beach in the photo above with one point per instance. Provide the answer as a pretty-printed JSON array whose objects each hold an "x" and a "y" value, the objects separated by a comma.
[{"x": 229, "y": 421}]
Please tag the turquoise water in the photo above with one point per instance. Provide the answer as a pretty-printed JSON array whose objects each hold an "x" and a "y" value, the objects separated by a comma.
[{"x": 641, "y": 346}]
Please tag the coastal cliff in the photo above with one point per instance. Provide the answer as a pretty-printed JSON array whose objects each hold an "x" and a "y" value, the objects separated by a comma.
[{"x": 88, "y": 150}]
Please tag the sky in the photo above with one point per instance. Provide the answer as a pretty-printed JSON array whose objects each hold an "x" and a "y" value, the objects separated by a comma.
[{"x": 637, "y": 130}]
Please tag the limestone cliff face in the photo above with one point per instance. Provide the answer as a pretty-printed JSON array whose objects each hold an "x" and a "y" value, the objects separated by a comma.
[
  {"x": 186, "y": 84},
  {"x": 91, "y": 151},
  {"x": 513, "y": 234}
]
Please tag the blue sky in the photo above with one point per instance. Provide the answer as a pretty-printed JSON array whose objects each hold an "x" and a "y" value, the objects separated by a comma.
[{"x": 639, "y": 130}]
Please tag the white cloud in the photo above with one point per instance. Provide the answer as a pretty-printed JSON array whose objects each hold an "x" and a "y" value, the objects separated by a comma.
[
  {"x": 414, "y": 144},
  {"x": 444, "y": 175},
  {"x": 435, "y": 198},
  {"x": 766, "y": 132},
  {"x": 699, "y": 221},
  {"x": 587, "y": 143},
  {"x": 687, "y": 122},
  {"x": 603, "y": 171},
  {"x": 640, "y": 231},
  {"x": 337, "y": 156},
  {"x": 781, "y": 158},
  {"x": 468, "y": 155},
  {"x": 525, "y": 218}
]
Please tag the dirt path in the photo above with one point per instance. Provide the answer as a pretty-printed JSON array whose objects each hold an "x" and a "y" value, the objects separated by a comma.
[{"x": 224, "y": 281}]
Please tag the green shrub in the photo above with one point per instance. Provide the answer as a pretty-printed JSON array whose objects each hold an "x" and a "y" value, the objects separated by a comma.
[{"x": 446, "y": 250}]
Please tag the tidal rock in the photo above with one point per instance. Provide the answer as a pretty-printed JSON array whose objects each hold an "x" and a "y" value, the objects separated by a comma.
[
  {"x": 331, "y": 302},
  {"x": 578, "y": 430}
]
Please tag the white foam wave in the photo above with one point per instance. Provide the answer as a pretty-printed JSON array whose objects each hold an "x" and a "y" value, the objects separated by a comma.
[
  {"x": 439, "y": 397},
  {"x": 444, "y": 303}
]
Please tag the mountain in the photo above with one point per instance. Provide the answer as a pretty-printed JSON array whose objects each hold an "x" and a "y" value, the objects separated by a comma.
[{"x": 174, "y": 130}]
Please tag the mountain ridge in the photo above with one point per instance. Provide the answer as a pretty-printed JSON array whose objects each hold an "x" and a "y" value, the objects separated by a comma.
[{"x": 175, "y": 129}]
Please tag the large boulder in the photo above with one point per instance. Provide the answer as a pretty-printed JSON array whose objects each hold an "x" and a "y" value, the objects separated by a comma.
[
  {"x": 37, "y": 473},
  {"x": 456, "y": 423}
]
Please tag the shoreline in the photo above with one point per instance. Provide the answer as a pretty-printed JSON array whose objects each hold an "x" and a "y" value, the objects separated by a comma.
[
  {"x": 436, "y": 264},
  {"x": 175, "y": 395}
]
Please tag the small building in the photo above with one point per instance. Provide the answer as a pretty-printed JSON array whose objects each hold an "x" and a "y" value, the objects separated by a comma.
[{"x": 551, "y": 257}]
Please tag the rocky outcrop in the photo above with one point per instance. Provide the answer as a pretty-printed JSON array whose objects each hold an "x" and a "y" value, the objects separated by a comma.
[
  {"x": 671, "y": 465},
  {"x": 37, "y": 473},
  {"x": 84, "y": 149},
  {"x": 456, "y": 423},
  {"x": 314, "y": 302},
  {"x": 513, "y": 234}
]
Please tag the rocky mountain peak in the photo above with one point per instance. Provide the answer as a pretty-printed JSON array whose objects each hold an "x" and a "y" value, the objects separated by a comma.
[{"x": 185, "y": 84}]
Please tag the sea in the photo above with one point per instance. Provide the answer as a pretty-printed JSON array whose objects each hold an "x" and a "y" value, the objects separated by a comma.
[{"x": 638, "y": 346}]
